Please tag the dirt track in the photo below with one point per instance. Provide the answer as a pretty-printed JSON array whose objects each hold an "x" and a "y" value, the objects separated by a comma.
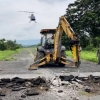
[{"x": 19, "y": 68}]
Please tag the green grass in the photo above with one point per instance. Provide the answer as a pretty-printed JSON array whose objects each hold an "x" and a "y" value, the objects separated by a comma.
[
  {"x": 86, "y": 55},
  {"x": 6, "y": 55}
]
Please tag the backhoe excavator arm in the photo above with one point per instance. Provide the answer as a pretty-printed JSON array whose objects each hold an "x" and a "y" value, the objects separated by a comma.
[{"x": 75, "y": 46}]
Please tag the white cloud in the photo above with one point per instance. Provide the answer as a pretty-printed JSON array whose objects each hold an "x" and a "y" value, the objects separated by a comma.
[{"x": 15, "y": 25}]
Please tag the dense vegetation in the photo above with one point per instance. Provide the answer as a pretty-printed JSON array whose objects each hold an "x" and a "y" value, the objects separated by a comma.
[
  {"x": 9, "y": 45},
  {"x": 84, "y": 18}
]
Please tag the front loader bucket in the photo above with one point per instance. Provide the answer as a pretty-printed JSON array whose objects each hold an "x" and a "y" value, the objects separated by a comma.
[
  {"x": 37, "y": 63},
  {"x": 33, "y": 67}
]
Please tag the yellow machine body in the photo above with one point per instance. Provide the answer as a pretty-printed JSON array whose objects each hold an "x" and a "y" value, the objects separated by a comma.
[{"x": 55, "y": 56}]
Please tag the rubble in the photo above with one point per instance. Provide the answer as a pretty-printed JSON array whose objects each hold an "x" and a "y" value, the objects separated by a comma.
[
  {"x": 18, "y": 88},
  {"x": 5, "y": 80},
  {"x": 90, "y": 84},
  {"x": 39, "y": 80},
  {"x": 31, "y": 87},
  {"x": 66, "y": 78},
  {"x": 38, "y": 85},
  {"x": 60, "y": 91},
  {"x": 2, "y": 94},
  {"x": 28, "y": 84},
  {"x": 18, "y": 80},
  {"x": 23, "y": 96},
  {"x": 88, "y": 90},
  {"x": 31, "y": 92},
  {"x": 76, "y": 98}
]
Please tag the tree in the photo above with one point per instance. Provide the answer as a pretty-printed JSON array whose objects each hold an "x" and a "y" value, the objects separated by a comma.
[
  {"x": 65, "y": 41},
  {"x": 2, "y": 44},
  {"x": 9, "y": 45},
  {"x": 84, "y": 16}
]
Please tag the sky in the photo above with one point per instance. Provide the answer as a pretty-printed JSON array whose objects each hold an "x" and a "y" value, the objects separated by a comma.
[{"x": 15, "y": 24}]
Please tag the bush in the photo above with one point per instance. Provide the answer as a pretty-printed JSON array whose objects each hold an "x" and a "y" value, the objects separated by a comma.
[
  {"x": 86, "y": 55},
  {"x": 96, "y": 41},
  {"x": 89, "y": 47},
  {"x": 9, "y": 45}
]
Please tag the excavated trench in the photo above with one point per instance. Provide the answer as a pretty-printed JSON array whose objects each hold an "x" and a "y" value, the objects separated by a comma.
[{"x": 36, "y": 86}]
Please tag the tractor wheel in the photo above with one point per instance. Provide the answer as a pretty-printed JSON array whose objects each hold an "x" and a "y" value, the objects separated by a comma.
[
  {"x": 39, "y": 55},
  {"x": 63, "y": 54}
]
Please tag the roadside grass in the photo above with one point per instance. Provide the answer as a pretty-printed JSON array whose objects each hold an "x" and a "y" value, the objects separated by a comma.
[
  {"x": 85, "y": 55},
  {"x": 7, "y": 54},
  {"x": 10, "y": 59}
]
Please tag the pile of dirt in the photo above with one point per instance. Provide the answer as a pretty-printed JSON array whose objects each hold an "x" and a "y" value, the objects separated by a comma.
[{"x": 31, "y": 87}]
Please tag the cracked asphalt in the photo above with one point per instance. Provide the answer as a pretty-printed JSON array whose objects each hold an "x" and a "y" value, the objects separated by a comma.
[{"x": 19, "y": 68}]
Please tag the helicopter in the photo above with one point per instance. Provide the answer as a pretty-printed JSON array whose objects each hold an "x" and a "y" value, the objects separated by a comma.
[{"x": 32, "y": 17}]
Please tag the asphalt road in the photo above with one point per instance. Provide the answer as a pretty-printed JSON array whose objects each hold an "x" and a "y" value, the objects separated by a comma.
[
  {"x": 24, "y": 59},
  {"x": 19, "y": 68}
]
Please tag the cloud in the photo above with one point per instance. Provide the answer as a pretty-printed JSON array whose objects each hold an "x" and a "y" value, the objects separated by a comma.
[{"x": 15, "y": 25}]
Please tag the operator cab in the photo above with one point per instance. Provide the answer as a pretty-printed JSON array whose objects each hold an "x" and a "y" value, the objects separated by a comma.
[{"x": 47, "y": 38}]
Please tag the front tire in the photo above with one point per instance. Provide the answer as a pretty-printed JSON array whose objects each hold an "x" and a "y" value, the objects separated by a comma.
[{"x": 39, "y": 56}]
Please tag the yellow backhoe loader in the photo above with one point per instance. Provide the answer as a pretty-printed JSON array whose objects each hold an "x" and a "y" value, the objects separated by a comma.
[{"x": 51, "y": 49}]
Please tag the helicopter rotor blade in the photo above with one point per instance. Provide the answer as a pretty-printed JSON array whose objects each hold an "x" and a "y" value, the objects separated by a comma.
[{"x": 26, "y": 11}]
